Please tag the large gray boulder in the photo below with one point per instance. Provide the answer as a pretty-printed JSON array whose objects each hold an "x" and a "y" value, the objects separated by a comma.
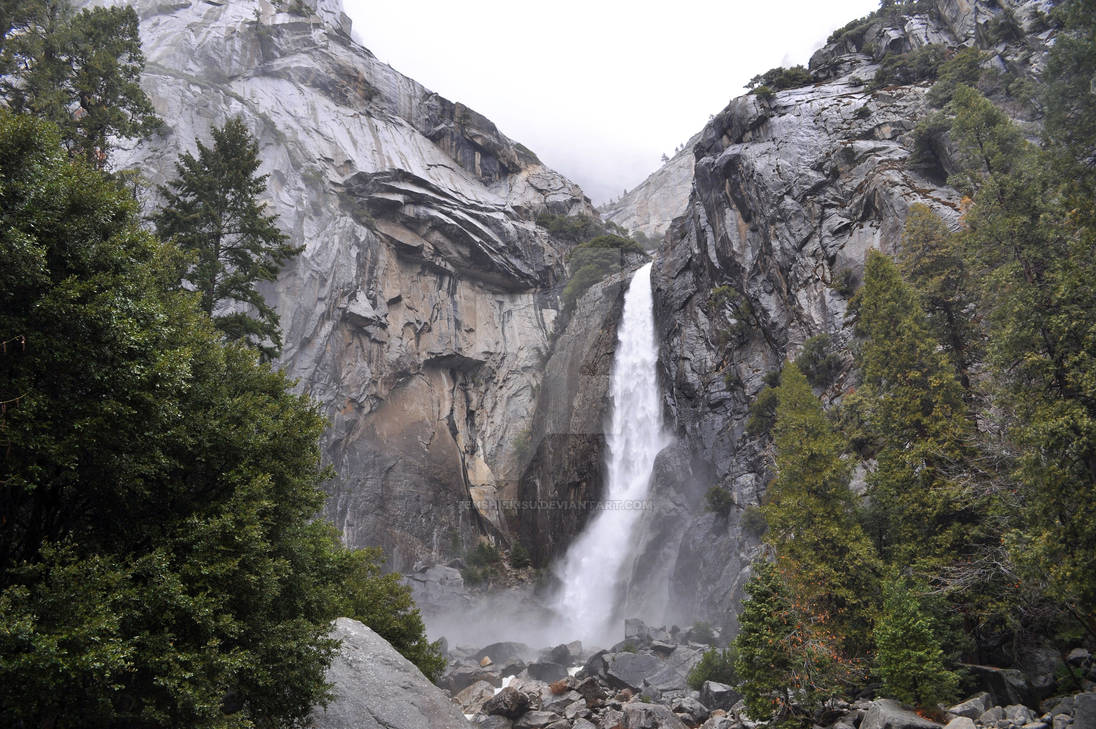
[
  {"x": 888, "y": 714},
  {"x": 1084, "y": 711},
  {"x": 377, "y": 688},
  {"x": 638, "y": 715},
  {"x": 630, "y": 670}
]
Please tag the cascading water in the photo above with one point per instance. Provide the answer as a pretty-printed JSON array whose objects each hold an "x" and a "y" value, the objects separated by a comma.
[{"x": 592, "y": 574}]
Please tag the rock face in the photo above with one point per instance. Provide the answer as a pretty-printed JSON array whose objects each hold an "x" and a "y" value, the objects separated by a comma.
[
  {"x": 375, "y": 687},
  {"x": 788, "y": 195},
  {"x": 650, "y": 207},
  {"x": 420, "y": 312}
]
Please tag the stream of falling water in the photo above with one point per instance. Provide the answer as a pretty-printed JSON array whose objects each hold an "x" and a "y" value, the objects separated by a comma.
[{"x": 593, "y": 572}]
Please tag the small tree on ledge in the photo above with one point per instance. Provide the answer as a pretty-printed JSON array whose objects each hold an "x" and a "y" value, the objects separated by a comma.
[{"x": 213, "y": 212}]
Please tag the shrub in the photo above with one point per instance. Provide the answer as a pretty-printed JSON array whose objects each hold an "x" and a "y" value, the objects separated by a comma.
[
  {"x": 818, "y": 363},
  {"x": 572, "y": 228},
  {"x": 483, "y": 555},
  {"x": 753, "y": 520},
  {"x": 845, "y": 282},
  {"x": 519, "y": 557},
  {"x": 963, "y": 68},
  {"x": 702, "y": 633},
  {"x": 764, "y": 93},
  {"x": 781, "y": 78},
  {"x": 762, "y": 412},
  {"x": 719, "y": 501},
  {"x": 715, "y": 665},
  {"x": 920, "y": 64},
  {"x": 594, "y": 260}
]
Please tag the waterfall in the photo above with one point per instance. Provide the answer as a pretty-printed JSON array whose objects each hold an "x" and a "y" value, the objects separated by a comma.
[{"x": 593, "y": 573}]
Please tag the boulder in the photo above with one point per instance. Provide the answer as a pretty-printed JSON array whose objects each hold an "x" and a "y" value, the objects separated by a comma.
[
  {"x": 1005, "y": 686},
  {"x": 673, "y": 674},
  {"x": 374, "y": 686},
  {"x": 992, "y": 715},
  {"x": 583, "y": 724},
  {"x": 536, "y": 719},
  {"x": 630, "y": 670},
  {"x": 546, "y": 671},
  {"x": 595, "y": 664},
  {"x": 717, "y": 695},
  {"x": 1019, "y": 714},
  {"x": 611, "y": 719},
  {"x": 561, "y": 654},
  {"x": 638, "y": 715},
  {"x": 486, "y": 721},
  {"x": 694, "y": 710},
  {"x": 505, "y": 652},
  {"x": 1079, "y": 658},
  {"x": 473, "y": 697},
  {"x": 462, "y": 677},
  {"x": 960, "y": 722},
  {"x": 509, "y": 703},
  {"x": 1084, "y": 711},
  {"x": 888, "y": 714},
  {"x": 636, "y": 631},
  {"x": 973, "y": 707},
  {"x": 590, "y": 690}
]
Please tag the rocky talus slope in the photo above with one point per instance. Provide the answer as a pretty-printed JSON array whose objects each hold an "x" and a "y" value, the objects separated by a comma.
[
  {"x": 642, "y": 682},
  {"x": 419, "y": 314},
  {"x": 788, "y": 195}
]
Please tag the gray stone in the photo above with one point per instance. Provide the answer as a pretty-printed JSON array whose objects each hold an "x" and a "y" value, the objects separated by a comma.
[
  {"x": 590, "y": 690},
  {"x": 1061, "y": 721},
  {"x": 506, "y": 652},
  {"x": 638, "y": 715},
  {"x": 583, "y": 724},
  {"x": 576, "y": 710},
  {"x": 960, "y": 722},
  {"x": 462, "y": 677},
  {"x": 509, "y": 702},
  {"x": 1019, "y": 714},
  {"x": 561, "y": 654},
  {"x": 629, "y": 670},
  {"x": 695, "y": 710},
  {"x": 1084, "y": 711},
  {"x": 1063, "y": 706},
  {"x": 888, "y": 714},
  {"x": 1006, "y": 686},
  {"x": 1036, "y": 725},
  {"x": 559, "y": 724},
  {"x": 635, "y": 630},
  {"x": 717, "y": 695},
  {"x": 992, "y": 715},
  {"x": 374, "y": 686},
  {"x": 1079, "y": 657},
  {"x": 560, "y": 702},
  {"x": 971, "y": 708},
  {"x": 610, "y": 719},
  {"x": 488, "y": 721},
  {"x": 473, "y": 697},
  {"x": 546, "y": 671},
  {"x": 536, "y": 719}
]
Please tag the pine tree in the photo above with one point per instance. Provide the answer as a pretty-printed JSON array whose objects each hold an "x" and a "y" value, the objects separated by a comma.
[
  {"x": 212, "y": 210},
  {"x": 916, "y": 413},
  {"x": 80, "y": 70},
  {"x": 908, "y": 655}
]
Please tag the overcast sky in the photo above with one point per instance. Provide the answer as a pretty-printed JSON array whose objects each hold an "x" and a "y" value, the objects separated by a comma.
[{"x": 598, "y": 89}]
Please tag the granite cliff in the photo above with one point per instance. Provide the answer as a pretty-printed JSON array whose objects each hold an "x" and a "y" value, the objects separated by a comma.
[
  {"x": 789, "y": 193},
  {"x": 421, "y": 310}
]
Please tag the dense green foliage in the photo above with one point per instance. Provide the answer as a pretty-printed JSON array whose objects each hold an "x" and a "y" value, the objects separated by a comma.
[
  {"x": 80, "y": 70},
  {"x": 920, "y": 64},
  {"x": 975, "y": 415},
  {"x": 818, "y": 362},
  {"x": 719, "y": 501},
  {"x": 714, "y": 665},
  {"x": 908, "y": 655},
  {"x": 213, "y": 211},
  {"x": 593, "y": 260},
  {"x": 780, "y": 78},
  {"x": 158, "y": 488}
]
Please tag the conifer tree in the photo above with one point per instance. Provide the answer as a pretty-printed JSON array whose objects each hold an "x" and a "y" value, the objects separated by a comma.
[
  {"x": 811, "y": 516},
  {"x": 213, "y": 211},
  {"x": 915, "y": 410},
  {"x": 908, "y": 655},
  {"x": 931, "y": 260},
  {"x": 80, "y": 70}
]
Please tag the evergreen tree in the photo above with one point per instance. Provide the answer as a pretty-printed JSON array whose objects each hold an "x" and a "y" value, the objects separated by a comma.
[
  {"x": 932, "y": 262},
  {"x": 160, "y": 561},
  {"x": 811, "y": 516},
  {"x": 81, "y": 70},
  {"x": 916, "y": 414},
  {"x": 212, "y": 210},
  {"x": 908, "y": 655}
]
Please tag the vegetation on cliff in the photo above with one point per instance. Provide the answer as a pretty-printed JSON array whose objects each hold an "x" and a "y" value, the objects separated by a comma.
[{"x": 974, "y": 412}]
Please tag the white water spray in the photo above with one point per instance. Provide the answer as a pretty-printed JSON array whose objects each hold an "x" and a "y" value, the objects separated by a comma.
[{"x": 593, "y": 571}]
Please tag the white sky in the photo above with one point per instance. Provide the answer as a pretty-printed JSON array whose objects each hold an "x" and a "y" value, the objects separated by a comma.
[{"x": 599, "y": 89}]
